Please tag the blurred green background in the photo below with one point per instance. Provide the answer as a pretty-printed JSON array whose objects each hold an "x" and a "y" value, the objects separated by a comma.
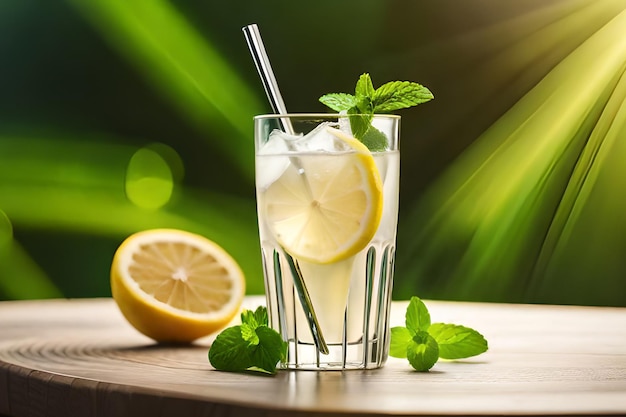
[{"x": 118, "y": 116}]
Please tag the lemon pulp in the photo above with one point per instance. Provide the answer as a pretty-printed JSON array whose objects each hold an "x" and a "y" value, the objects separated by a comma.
[{"x": 324, "y": 207}]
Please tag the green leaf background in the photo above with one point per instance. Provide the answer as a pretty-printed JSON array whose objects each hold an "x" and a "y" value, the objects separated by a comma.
[{"x": 117, "y": 116}]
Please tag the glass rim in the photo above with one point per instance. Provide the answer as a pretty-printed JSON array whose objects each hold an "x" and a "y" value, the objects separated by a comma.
[{"x": 321, "y": 115}]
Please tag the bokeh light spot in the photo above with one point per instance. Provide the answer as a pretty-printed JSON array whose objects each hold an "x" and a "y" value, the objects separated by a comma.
[
  {"x": 171, "y": 157},
  {"x": 149, "y": 179}
]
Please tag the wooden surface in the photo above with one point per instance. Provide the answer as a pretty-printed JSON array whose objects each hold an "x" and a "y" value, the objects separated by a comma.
[{"x": 80, "y": 358}]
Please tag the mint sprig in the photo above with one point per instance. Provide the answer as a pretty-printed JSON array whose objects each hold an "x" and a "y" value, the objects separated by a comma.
[
  {"x": 423, "y": 343},
  {"x": 367, "y": 101},
  {"x": 251, "y": 346}
]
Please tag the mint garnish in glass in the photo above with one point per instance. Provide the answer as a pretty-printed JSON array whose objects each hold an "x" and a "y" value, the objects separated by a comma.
[{"x": 367, "y": 101}]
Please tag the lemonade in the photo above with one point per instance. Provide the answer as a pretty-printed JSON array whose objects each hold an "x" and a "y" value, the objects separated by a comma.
[{"x": 330, "y": 205}]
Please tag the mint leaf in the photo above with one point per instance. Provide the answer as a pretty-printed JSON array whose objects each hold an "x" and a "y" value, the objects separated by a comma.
[
  {"x": 367, "y": 100},
  {"x": 248, "y": 334},
  {"x": 359, "y": 123},
  {"x": 364, "y": 88},
  {"x": 256, "y": 318},
  {"x": 364, "y": 92},
  {"x": 260, "y": 314},
  {"x": 339, "y": 101},
  {"x": 374, "y": 139},
  {"x": 247, "y": 317},
  {"x": 423, "y": 343},
  {"x": 270, "y": 350},
  {"x": 400, "y": 339},
  {"x": 457, "y": 342},
  {"x": 251, "y": 346},
  {"x": 398, "y": 95},
  {"x": 229, "y": 351},
  {"x": 417, "y": 316},
  {"x": 423, "y": 351}
]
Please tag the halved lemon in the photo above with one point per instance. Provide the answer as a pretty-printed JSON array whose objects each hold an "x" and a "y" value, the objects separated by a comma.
[
  {"x": 325, "y": 206},
  {"x": 175, "y": 286}
]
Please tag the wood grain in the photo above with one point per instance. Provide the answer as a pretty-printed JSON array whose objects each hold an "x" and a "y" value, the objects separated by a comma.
[{"x": 80, "y": 358}]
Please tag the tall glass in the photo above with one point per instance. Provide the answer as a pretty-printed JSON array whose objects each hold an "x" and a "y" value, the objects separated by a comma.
[{"x": 334, "y": 314}]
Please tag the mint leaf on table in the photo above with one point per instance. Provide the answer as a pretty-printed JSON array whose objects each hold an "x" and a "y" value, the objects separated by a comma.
[
  {"x": 423, "y": 343},
  {"x": 248, "y": 333},
  {"x": 457, "y": 342},
  {"x": 229, "y": 351},
  {"x": 255, "y": 318},
  {"x": 417, "y": 316},
  {"x": 270, "y": 350},
  {"x": 413, "y": 341},
  {"x": 422, "y": 351},
  {"x": 400, "y": 339},
  {"x": 251, "y": 346},
  {"x": 367, "y": 101}
]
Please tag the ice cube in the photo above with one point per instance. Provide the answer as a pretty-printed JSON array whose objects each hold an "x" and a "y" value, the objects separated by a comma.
[
  {"x": 321, "y": 139},
  {"x": 344, "y": 123},
  {"x": 270, "y": 168},
  {"x": 277, "y": 143},
  {"x": 275, "y": 156}
]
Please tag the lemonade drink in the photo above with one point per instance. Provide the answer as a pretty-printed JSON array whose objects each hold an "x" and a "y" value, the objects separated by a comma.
[{"x": 330, "y": 206}]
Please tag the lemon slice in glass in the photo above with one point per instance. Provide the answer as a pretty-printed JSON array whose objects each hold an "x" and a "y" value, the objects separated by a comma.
[
  {"x": 326, "y": 206},
  {"x": 175, "y": 286}
]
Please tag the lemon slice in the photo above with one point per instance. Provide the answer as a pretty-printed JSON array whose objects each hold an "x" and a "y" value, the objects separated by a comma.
[
  {"x": 326, "y": 207},
  {"x": 175, "y": 286}
]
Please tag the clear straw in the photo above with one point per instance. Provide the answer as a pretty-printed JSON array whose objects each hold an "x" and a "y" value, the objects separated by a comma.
[
  {"x": 263, "y": 66},
  {"x": 262, "y": 62}
]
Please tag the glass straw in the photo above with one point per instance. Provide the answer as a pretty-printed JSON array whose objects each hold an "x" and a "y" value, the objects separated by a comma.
[{"x": 262, "y": 62}]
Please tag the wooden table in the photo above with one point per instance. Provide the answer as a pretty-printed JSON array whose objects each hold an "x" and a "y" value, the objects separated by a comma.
[{"x": 80, "y": 358}]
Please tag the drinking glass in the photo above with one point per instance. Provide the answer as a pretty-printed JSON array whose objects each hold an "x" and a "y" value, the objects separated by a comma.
[{"x": 333, "y": 314}]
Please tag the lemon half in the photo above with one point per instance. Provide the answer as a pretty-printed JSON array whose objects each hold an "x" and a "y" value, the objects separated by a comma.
[
  {"x": 326, "y": 207},
  {"x": 175, "y": 286}
]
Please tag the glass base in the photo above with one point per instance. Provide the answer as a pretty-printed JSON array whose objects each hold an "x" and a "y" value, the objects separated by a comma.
[
  {"x": 305, "y": 356},
  {"x": 354, "y": 318}
]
